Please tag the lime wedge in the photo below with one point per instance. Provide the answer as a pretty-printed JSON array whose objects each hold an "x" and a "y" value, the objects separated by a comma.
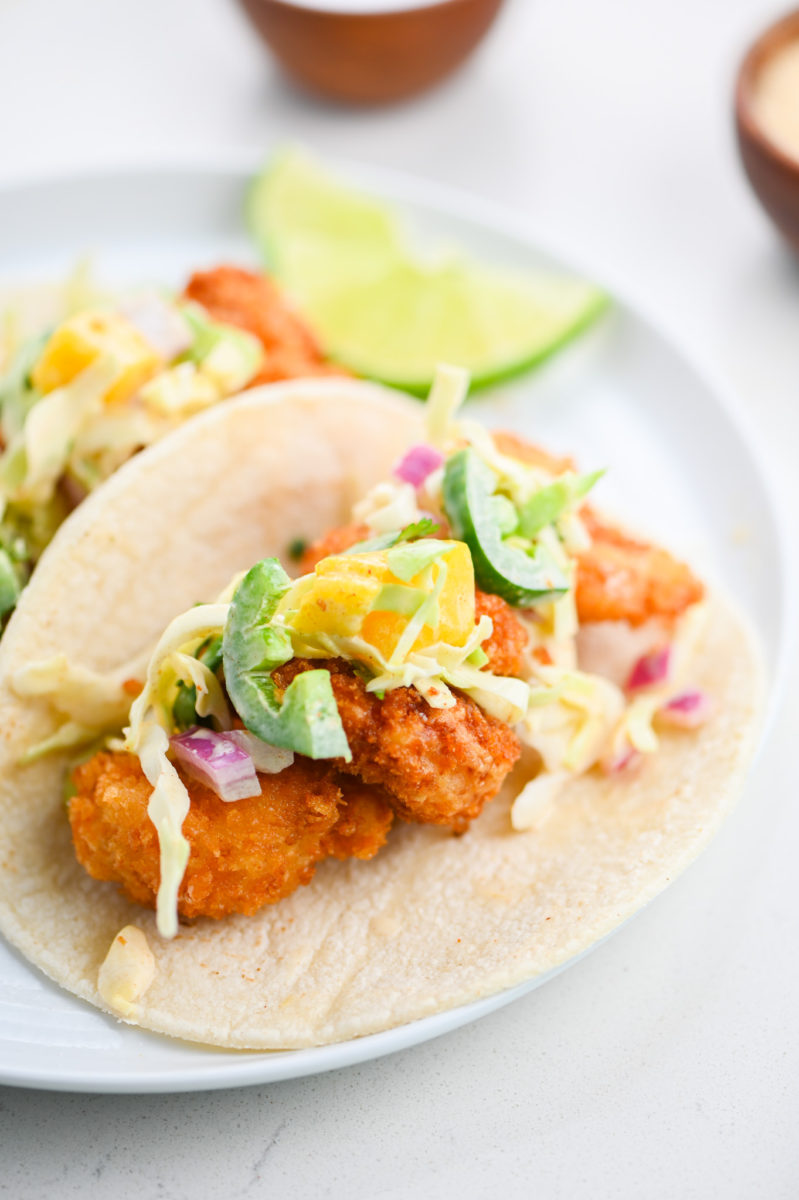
[
  {"x": 293, "y": 207},
  {"x": 385, "y": 312}
]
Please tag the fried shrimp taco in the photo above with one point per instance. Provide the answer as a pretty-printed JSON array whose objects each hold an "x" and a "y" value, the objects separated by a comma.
[
  {"x": 329, "y": 712},
  {"x": 89, "y": 379}
]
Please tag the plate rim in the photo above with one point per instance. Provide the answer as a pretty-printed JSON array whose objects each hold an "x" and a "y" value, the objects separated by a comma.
[{"x": 248, "y": 1068}]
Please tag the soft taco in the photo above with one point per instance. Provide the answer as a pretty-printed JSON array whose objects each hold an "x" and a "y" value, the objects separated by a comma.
[
  {"x": 477, "y": 731},
  {"x": 88, "y": 378}
]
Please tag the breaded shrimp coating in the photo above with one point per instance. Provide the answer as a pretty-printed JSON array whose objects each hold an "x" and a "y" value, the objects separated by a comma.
[
  {"x": 364, "y": 821},
  {"x": 505, "y": 648},
  {"x": 439, "y": 766},
  {"x": 254, "y": 303},
  {"x": 335, "y": 541},
  {"x": 527, "y": 452},
  {"x": 621, "y": 579},
  {"x": 243, "y": 854}
]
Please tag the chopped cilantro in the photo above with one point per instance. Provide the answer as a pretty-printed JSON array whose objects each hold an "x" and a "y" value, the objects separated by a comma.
[
  {"x": 362, "y": 671},
  {"x": 384, "y": 541},
  {"x": 419, "y": 529}
]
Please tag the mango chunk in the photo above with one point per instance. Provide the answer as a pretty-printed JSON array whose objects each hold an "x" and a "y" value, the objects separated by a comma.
[
  {"x": 82, "y": 339},
  {"x": 357, "y": 595}
]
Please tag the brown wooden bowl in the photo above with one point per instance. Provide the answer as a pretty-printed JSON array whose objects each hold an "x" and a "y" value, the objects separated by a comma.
[
  {"x": 773, "y": 174},
  {"x": 371, "y": 57}
]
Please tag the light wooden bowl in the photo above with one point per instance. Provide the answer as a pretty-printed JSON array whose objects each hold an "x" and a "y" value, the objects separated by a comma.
[
  {"x": 774, "y": 175},
  {"x": 366, "y": 52}
]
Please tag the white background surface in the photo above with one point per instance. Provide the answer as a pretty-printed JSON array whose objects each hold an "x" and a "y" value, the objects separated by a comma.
[{"x": 667, "y": 1064}]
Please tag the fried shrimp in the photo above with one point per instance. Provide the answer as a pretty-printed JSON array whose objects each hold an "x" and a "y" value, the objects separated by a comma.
[
  {"x": 364, "y": 821},
  {"x": 527, "y": 452},
  {"x": 505, "y": 648},
  {"x": 243, "y": 854},
  {"x": 438, "y": 766},
  {"x": 621, "y": 579},
  {"x": 253, "y": 303},
  {"x": 335, "y": 541}
]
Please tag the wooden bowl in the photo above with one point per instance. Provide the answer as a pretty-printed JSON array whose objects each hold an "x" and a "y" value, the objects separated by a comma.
[
  {"x": 363, "y": 52},
  {"x": 773, "y": 174}
]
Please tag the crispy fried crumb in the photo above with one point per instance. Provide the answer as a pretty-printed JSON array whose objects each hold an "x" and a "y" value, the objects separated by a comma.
[
  {"x": 243, "y": 854},
  {"x": 365, "y": 819},
  {"x": 438, "y": 766},
  {"x": 505, "y": 648},
  {"x": 621, "y": 579}
]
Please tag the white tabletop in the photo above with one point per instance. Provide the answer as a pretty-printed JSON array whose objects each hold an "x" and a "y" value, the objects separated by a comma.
[{"x": 667, "y": 1063}]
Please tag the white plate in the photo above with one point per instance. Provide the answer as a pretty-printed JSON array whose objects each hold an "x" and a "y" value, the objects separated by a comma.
[{"x": 680, "y": 463}]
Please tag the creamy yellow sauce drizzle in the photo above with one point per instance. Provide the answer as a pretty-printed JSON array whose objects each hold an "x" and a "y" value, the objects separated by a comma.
[{"x": 127, "y": 971}]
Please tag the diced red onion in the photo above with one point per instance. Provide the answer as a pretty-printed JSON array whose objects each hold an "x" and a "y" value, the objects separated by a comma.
[
  {"x": 216, "y": 760},
  {"x": 269, "y": 759},
  {"x": 650, "y": 670},
  {"x": 626, "y": 758},
  {"x": 159, "y": 323},
  {"x": 417, "y": 464},
  {"x": 688, "y": 710}
]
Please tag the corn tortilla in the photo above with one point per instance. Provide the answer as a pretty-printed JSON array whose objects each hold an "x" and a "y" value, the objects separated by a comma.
[{"x": 434, "y": 920}]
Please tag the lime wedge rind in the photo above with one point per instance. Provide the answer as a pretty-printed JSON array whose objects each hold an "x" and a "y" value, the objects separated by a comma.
[{"x": 499, "y": 372}]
